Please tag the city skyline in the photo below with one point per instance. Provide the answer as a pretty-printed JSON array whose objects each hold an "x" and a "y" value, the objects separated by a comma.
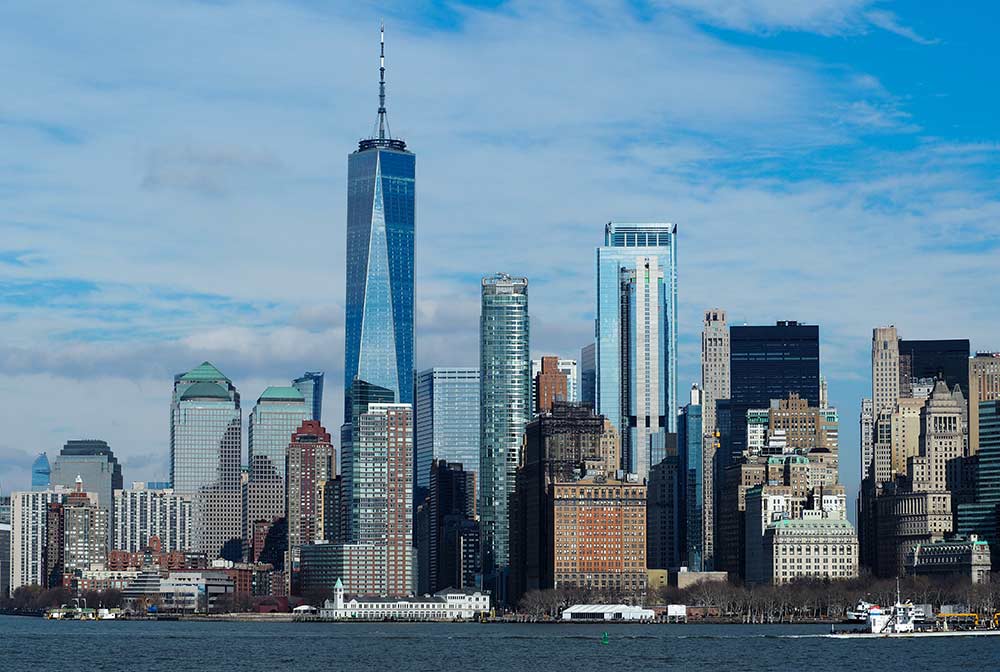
[{"x": 121, "y": 341}]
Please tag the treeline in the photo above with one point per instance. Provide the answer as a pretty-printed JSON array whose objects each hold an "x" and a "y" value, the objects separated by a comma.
[
  {"x": 36, "y": 599},
  {"x": 803, "y": 600}
]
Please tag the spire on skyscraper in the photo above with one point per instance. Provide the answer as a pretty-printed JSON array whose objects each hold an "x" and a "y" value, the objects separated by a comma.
[{"x": 383, "y": 137}]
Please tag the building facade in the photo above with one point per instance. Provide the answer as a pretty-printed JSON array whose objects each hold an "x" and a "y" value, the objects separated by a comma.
[
  {"x": 29, "y": 536},
  {"x": 142, "y": 513},
  {"x": 967, "y": 557},
  {"x": 636, "y": 337},
  {"x": 310, "y": 461},
  {"x": 549, "y": 382},
  {"x": 94, "y": 462},
  {"x": 446, "y": 422},
  {"x": 381, "y": 208},
  {"x": 310, "y": 384},
  {"x": 714, "y": 364},
  {"x": 505, "y": 399},
  {"x": 205, "y": 455},
  {"x": 817, "y": 548},
  {"x": 588, "y": 374}
]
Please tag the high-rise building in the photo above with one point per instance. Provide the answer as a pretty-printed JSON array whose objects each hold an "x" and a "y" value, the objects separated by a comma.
[
  {"x": 380, "y": 232},
  {"x": 769, "y": 363},
  {"x": 588, "y": 374},
  {"x": 310, "y": 462},
  {"x": 810, "y": 431},
  {"x": 885, "y": 369},
  {"x": 85, "y": 529},
  {"x": 690, "y": 447},
  {"x": 946, "y": 360},
  {"x": 310, "y": 384},
  {"x": 505, "y": 399},
  {"x": 982, "y": 516},
  {"x": 636, "y": 329},
  {"x": 665, "y": 514},
  {"x": 714, "y": 365},
  {"x": 557, "y": 365},
  {"x": 142, "y": 513},
  {"x": 279, "y": 412},
  {"x": 573, "y": 521},
  {"x": 984, "y": 385},
  {"x": 29, "y": 535},
  {"x": 205, "y": 452},
  {"x": 94, "y": 462},
  {"x": 41, "y": 473},
  {"x": 939, "y": 466},
  {"x": 447, "y": 542},
  {"x": 361, "y": 396},
  {"x": 548, "y": 383},
  {"x": 446, "y": 422}
]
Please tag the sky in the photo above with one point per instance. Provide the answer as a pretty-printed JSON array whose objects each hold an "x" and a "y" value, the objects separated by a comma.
[{"x": 173, "y": 185}]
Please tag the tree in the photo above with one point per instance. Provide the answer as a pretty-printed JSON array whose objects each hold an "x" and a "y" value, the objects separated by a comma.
[
  {"x": 275, "y": 544},
  {"x": 232, "y": 550}
]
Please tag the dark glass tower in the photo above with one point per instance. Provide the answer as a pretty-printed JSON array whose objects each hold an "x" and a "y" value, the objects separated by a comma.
[
  {"x": 769, "y": 363},
  {"x": 379, "y": 310},
  {"x": 946, "y": 360}
]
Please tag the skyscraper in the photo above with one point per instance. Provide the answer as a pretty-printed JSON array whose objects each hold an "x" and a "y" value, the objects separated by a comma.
[
  {"x": 588, "y": 374},
  {"x": 352, "y": 467},
  {"x": 714, "y": 365},
  {"x": 142, "y": 512},
  {"x": 379, "y": 286},
  {"x": 310, "y": 462},
  {"x": 310, "y": 384},
  {"x": 505, "y": 397},
  {"x": 446, "y": 422},
  {"x": 549, "y": 383},
  {"x": 41, "y": 473},
  {"x": 29, "y": 535},
  {"x": 567, "y": 367},
  {"x": 984, "y": 385},
  {"x": 946, "y": 360},
  {"x": 769, "y": 363},
  {"x": 205, "y": 452},
  {"x": 94, "y": 462},
  {"x": 690, "y": 445},
  {"x": 278, "y": 414},
  {"x": 636, "y": 328}
]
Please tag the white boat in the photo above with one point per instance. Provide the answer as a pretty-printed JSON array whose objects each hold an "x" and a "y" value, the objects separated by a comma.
[
  {"x": 859, "y": 614},
  {"x": 901, "y": 621}
]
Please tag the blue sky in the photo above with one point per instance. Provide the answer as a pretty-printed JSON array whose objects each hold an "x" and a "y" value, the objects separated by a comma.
[{"x": 172, "y": 185}]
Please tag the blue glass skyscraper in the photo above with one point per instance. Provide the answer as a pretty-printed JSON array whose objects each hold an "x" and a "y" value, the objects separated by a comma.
[
  {"x": 310, "y": 384},
  {"x": 40, "y": 473},
  {"x": 636, "y": 336},
  {"x": 380, "y": 226}
]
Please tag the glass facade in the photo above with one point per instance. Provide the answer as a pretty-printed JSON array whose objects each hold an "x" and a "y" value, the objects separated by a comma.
[
  {"x": 40, "y": 473},
  {"x": 946, "y": 360},
  {"x": 692, "y": 483},
  {"x": 765, "y": 363},
  {"x": 505, "y": 396},
  {"x": 379, "y": 265},
  {"x": 278, "y": 413},
  {"x": 205, "y": 452},
  {"x": 310, "y": 384},
  {"x": 446, "y": 422},
  {"x": 588, "y": 374},
  {"x": 636, "y": 338}
]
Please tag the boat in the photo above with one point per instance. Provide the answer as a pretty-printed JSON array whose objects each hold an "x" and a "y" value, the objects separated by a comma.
[
  {"x": 859, "y": 614},
  {"x": 904, "y": 620}
]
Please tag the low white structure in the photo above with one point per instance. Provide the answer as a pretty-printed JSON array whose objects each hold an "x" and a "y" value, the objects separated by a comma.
[
  {"x": 447, "y": 605},
  {"x": 606, "y": 612},
  {"x": 677, "y": 613},
  {"x": 193, "y": 591}
]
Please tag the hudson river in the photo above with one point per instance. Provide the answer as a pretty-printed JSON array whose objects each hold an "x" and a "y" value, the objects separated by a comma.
[{"x": 34, "y": 644}]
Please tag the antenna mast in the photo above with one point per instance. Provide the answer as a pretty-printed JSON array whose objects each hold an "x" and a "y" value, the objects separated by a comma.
[{"x": 381, "y": 83}]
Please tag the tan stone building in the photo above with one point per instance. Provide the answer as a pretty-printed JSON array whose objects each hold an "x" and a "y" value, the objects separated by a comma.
[
  {"x": 714, "y": 366},
  {"x": 984, "y": 385}
]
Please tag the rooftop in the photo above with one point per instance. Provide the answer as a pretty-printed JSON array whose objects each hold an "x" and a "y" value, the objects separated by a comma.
[
  {"x": 204, "y": 371},
  {"x": 276, "y": 393},
  {"x": 205, "y": 391}
]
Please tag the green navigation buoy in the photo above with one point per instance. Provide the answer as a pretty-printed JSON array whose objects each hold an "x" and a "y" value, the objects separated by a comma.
[{"x": 604, "y": 637}]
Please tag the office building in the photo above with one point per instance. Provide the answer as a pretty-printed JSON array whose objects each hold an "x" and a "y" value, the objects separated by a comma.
[
  {"x": 205, "y": 452},
  {"x": 310, "y": 384},
  {"x": 981, "y": 516},
  {"x": 447, "y": 543},
  {"x": 279, "y": 412},
  {"x": 692, "y": 482},
  {"x": 809, "y": 548},
  {"x": 968, "y": 557},
  {"x": 984, "y": 385},
  {"x": 41, "y": 473},
  {"x": 505, "y": 399},
  {"x": 96, "y": 464},
  {"x": 446, "y": 422},
  {"x": 558, "y": 365},
  {"x": 310, "y": 462},
  {"x": 379, "y": 264},
  {"x": 769, "y": 363},
  {"x": 549, "y": 382},
  {"x": 665, "y": 514},
  {"x": 946, "y": 360},
  {"x": 636, "y": 338},
  {"x": 714, "y": 365},
  {"x": 142, "y": 513},
  {"x": 576, "y": 519},
  {"x": 588, "y": 374}
]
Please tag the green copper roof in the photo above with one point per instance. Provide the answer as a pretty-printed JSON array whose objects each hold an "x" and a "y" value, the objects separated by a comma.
[
  {"x": 276, "y": 393},
  {"x": 204, "y": 372},
  {"x": 205, "y": 391}
]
